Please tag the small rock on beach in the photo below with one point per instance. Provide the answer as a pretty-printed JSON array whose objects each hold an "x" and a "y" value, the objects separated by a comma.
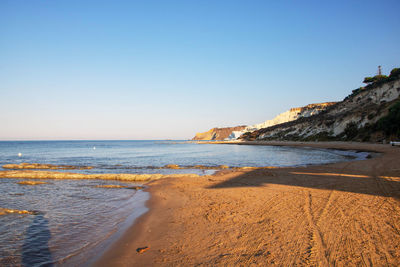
[{"x": 142, "y": 249}]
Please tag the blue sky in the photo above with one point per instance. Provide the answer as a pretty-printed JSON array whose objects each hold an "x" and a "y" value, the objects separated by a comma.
[{"x": 169, "y": 69}]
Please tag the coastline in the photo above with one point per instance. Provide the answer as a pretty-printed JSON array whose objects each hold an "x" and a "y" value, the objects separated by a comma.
[
  {"x": 319, "y": 215},
  {"x": 88, "y": 256},
  {"x": 337, "y": 145}
]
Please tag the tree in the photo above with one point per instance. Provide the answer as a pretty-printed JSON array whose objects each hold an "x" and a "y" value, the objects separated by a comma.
[
  {"x": 368, "y": 80},
  {"x": 351, "y": 130},
  {"x": 390, "y": 124},
  {"x": 395, "y": 72},
  {"x": 375, "y": 79}
]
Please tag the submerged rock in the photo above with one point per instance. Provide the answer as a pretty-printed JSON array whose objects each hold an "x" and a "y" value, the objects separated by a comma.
[
  {"x": 201, "y": 167},
  {"x": 172, "y": 166},
  {"x": 45, "y": 166},
  {"x": 31, "y": 182},
  {"x": 16, "y": 194},
  {"x": 135, "y": 187},
  {"x": 110, "y": 186},
  {"x": 120, "y": 186},
  {"x": 4, "y": 211}
]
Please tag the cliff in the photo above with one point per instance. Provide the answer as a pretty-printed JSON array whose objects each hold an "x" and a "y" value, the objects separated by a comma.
[
  {"x": 233, "y": 133},
  {"x": 370, "y": 113},
  {"x": 290, "y": 115},
  {"x": 294, "y": 114},
  {"x": 217, "y": 133}
]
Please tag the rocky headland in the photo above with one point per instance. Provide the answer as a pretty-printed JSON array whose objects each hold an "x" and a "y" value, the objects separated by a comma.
[
  {"x": 38, "y": 166},
  {"x": 369, "y": 113},
  {"x": 233, "y": 133},
  {"x": 218, "y": 133}
]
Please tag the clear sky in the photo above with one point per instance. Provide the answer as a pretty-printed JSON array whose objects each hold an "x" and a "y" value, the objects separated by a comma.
[{"x": 168, "y": 69}]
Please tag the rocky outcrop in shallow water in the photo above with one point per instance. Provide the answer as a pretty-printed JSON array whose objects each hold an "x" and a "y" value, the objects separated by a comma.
[
  {"x": 201, "y": 167},
  {"x": 28, "y": 174},
  {"x": 119, "y": 186},
  {"x": 38, "y": 166},
  {"x": 4, "y": 211},
  {"x": 31, "y": 182}
]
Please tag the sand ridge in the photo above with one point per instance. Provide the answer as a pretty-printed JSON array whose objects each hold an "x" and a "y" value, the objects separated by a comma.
[{"x": 342, "y": 214}]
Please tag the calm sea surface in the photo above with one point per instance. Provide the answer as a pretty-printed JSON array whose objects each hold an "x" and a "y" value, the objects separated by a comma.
[{"x": 74, "y": 221}]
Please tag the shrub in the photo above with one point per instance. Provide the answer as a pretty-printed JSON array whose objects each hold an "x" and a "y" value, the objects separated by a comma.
[
  {"x": 380, "y": 78},
  {"x": 371, "y": 116},
  {"x": 395, "y": 72},
  {"x": 351, "y": 130},
  {"x": 355, "y": 92},
  {"x": 375, "y": 79},
  {"x": 390, "y": 124},
  {"x": 368, "y": 80}
]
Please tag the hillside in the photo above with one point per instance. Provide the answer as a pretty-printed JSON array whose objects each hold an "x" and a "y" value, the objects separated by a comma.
[
  {"x": 232, "y": 133},
  {"x": 290, "y": 115},
  {"x": 217, "y": 133},
  {"x": 370, "y": 113}
]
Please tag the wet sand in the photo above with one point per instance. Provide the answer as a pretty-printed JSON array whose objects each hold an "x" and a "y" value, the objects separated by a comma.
[{"x": 338, "y": 214}]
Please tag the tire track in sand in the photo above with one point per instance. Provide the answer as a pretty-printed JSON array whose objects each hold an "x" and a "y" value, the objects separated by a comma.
[
  {"x": 317, "y": 247},
  {"x": 326, "y": 207}
]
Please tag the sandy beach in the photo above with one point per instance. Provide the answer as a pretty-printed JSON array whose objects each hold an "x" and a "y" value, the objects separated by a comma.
[{"x": 342, "y": 214}]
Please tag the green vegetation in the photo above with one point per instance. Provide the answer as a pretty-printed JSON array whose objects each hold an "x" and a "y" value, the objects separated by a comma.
[
  {"x": 375, "y": 79},
  {"x": 395, "y": 72},
  {"x": 247, "y": 136},
  {"x": 355, "y": 92},
  {"x": 351, "y": 130},
  {"x": 386, "y": 128},
  {"x": 322, "y": 136},
  {"x": 380, "y": 79},
  {"x": 390, "y": 124}
]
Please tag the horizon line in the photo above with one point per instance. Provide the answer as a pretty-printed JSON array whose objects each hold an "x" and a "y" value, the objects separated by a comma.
[{"x": 164, "y": 139}]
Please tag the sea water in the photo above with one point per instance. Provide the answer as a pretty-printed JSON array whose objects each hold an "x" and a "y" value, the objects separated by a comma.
[{"x": 74, "y": 221}]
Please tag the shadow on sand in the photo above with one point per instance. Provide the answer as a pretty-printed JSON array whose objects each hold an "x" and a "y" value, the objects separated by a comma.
[
  {"x": 347, "y": 182},
  {"x": 35, "y": 250}
]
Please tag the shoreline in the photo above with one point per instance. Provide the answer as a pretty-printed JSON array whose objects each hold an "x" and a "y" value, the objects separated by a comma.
[
  {"x": 337, "y": 145},
  {"x": 176, "y": 237},
  {"x": 139, "y": 210}
]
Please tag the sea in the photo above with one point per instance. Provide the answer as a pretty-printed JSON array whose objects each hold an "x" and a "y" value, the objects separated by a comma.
[{"x": 72, "y": 222}]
